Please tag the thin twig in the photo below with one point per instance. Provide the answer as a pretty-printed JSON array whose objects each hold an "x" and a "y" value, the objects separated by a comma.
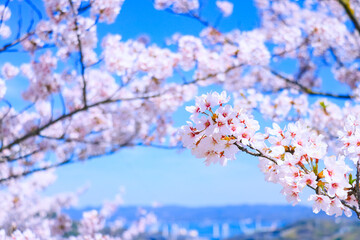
[
  {"x": 70, "y": 114},
  {"x": 258, "y": 153},
  {"x": 82, "y": 65},
  {"x": 16, "y": 41},
  {"x": 308, "y": 90},
  {"x": 349, "y": 12},
  {"x": 357, "y": 186}
]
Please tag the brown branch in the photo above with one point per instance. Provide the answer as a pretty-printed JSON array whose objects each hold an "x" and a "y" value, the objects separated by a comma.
[
  {"x": 357, "y": 186},
  {"x": 260, "y": 154},
  {"x": 70, "y": 161},
  {"x": 353, "y": 208},
  {"x": 82, "y": 65},
  {"x": 346, "y": 5},
  {"x": 9, "y": 159},
  {"x": 308, "y": 90},
  {"x": 67, "y": 161},
  {"x": 16, "y": 41},
  {"x": 214, "y": 74},
  {"x": 65, "y": 139},
  {"x": 26, "y": 173},
  {"x": 190, "y": 15},
  {"x": 70, "y": 114}
]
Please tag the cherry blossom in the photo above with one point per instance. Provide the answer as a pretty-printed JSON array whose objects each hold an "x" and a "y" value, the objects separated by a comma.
[
  {"x": 289, "y": 156},
  {"x": 9, "y": 71},
  {"x": 292, "y": 80},
  {"x": 225, "y": 7}
]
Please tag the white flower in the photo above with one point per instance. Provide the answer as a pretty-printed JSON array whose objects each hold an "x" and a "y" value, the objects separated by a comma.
[
  {"x": 321, "y": 202},
  {"x": 225, "y": 7}
]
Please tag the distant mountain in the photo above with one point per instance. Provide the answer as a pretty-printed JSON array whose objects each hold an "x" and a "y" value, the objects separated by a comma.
[
  {"x": 241, "y": 222},
  {"x": 177, "y": 214},
  {"x": 309, "y": 229}
]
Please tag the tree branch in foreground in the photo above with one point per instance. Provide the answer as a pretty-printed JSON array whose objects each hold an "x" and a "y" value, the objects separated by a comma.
[{"x": 324, "y": 193}]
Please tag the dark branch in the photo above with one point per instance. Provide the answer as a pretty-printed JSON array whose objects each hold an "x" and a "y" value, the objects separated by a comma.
[
  {"x": 346, "y": 5},
  {"x": 258, "y": 153},
  {"x": 308, "y": 90},
  {"x": 70, "y": 114},
  {"x": 16, "y": 41},
  {"x": 82, "y": 65}
]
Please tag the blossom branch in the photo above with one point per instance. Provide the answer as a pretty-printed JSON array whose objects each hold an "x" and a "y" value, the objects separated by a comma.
[
  {"x": 29, "y": 172},
  {"x": 257, "y": 154},
  {"x": 350, "y": 12},
  {"x": 38, "y": 130},
  {"x": 353, "y": 208},
  {"x": 308, "y": 90},
  {"x": 211, "y": 75},
  {"x": 218, "y": 132},
  {"x": 82, "y": 64},
  {"x": 16, "y": 41},
  {"x": 67, "y": 161},
  {"x": 357, "y": 185}
]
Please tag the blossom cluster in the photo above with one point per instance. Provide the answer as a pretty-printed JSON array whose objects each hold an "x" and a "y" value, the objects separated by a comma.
[
  {"x": 178, "y": 6},
  {"x": 216, "y": 128},
  {"x": 5, "y": 13},
  {"x": 81, "y": 99},
  {"x": 225, "y": 7},
  {"x": 28, "y": 215},
  {"x": 294, "y": 157}
]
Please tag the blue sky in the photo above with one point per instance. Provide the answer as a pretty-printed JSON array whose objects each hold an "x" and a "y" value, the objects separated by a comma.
[
  {"x": 157, "y": 175},
  {"x": 166, "y": 176}
]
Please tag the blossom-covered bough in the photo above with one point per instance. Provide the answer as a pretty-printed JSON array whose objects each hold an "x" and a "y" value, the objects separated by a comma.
[
  {"x": 84, "y": 97},
  {"x": 291, "y": 156}
]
